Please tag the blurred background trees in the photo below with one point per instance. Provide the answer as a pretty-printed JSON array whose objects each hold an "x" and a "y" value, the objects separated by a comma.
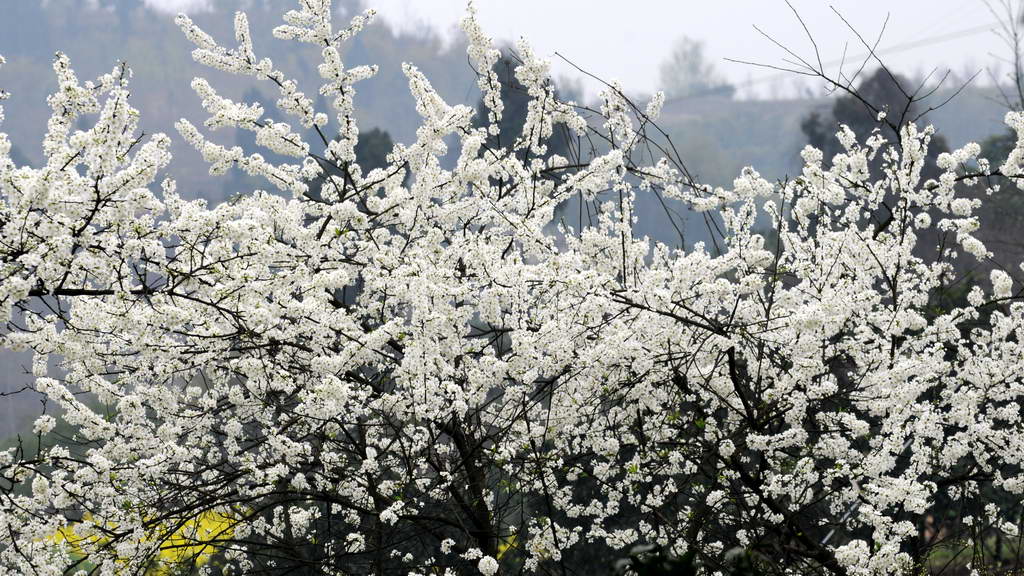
[{"x": 688, "y": 72}]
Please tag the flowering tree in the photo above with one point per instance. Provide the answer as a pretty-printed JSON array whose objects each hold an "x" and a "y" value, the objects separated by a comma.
[{"x": 403, "y": 371}]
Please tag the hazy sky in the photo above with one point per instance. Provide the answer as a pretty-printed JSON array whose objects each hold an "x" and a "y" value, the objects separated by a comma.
[{"x": 628, "y": 39}]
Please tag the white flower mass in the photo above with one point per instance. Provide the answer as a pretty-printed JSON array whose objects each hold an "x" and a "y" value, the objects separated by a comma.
[{"x": 422, "y": 370}]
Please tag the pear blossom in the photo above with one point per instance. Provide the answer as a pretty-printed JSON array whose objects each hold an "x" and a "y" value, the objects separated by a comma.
[{"x": 418, "y": 370}]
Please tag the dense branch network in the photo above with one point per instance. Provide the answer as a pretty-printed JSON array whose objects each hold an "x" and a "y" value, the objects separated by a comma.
[{"x": 419, "y": 370}]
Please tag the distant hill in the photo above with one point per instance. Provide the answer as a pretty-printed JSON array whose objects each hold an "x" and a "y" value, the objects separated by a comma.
[{"x": 160, "y": 57}]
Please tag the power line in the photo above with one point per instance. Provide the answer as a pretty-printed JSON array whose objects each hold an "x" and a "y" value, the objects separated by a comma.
[
  {"x": 896, "y": 49},
  {"x": 903, "y": 47}
]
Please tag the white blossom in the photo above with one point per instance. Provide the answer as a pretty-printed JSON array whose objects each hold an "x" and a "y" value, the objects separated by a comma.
[
  {"x": 417, "y": 368},
  {"x": 487, "y": 566}
]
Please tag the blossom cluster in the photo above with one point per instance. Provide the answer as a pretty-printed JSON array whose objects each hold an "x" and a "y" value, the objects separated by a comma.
[{"x": 409, "y": 372}]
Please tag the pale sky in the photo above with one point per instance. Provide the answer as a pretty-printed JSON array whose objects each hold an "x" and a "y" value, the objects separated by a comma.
[{"x": 628, "y": 39}]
